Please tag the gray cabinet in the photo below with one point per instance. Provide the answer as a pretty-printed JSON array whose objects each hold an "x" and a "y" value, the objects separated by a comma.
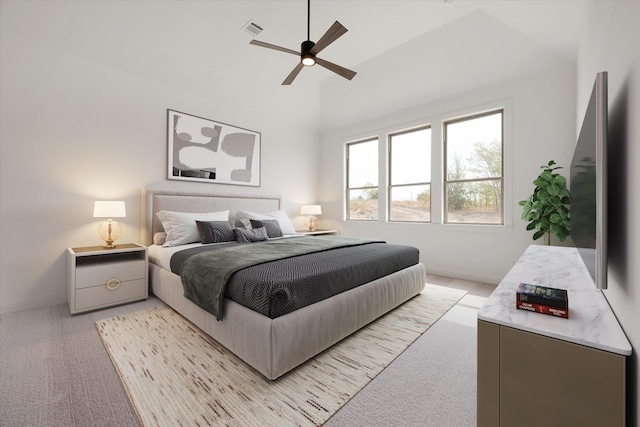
[
  {"x": 541, "y": 370},
  {"x": 526, "y": 379}
]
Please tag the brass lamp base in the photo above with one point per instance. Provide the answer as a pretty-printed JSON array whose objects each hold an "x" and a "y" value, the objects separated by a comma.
[
  {"x": 109, "y": 231},
  {"x": 313, "y": 223}
]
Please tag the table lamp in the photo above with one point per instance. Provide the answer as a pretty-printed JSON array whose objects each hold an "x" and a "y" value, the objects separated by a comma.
[
  {"x": 311, "y": 210},
  {"x": 109, "y": 230}
]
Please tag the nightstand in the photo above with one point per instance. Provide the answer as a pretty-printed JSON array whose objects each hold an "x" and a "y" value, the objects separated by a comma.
[
  {"x": 99, "y": 277},
  {"x": 317, "y": 232}
]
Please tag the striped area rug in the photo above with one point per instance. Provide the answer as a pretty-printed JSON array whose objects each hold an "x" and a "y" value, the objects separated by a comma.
[{"x": 176, "y": 375}]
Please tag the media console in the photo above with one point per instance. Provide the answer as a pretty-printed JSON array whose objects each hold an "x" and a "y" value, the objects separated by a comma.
[{"x": 536, "y": 369}]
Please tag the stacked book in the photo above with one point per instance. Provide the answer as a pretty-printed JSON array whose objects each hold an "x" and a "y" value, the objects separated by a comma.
[{"x": 542, "y": 299}]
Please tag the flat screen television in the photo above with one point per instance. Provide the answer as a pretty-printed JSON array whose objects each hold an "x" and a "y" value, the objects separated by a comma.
[{"x": 589, "y": 185}]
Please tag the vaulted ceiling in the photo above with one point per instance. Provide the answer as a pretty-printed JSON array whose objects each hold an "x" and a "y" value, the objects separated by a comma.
[{"x": 196, "y": 45}]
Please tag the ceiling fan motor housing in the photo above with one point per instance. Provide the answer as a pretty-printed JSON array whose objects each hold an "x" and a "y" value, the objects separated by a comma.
[{"x": 307, "y": 57}]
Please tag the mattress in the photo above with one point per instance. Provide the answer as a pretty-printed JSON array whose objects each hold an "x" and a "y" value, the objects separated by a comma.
[{"x": 276, "y": 288}]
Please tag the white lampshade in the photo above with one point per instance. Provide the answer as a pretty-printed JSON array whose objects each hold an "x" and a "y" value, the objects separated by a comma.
[
  {"x": 109, "y": 209},
  {"x": 311, "y": 210}
]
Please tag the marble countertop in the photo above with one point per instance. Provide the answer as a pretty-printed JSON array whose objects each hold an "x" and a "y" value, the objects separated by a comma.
[{"x": 591, "y": 321}]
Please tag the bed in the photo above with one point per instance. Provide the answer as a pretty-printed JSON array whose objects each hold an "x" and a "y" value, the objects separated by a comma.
[{"x": 272, "y": 346}]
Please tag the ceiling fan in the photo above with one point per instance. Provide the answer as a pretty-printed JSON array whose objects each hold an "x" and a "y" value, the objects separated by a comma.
[{"x": 309, "y": 50}]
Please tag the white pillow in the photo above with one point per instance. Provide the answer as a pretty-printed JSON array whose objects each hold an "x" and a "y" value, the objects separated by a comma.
[
  {"x": 283, "y": 219},
  {"x": 181, "y": 227}
]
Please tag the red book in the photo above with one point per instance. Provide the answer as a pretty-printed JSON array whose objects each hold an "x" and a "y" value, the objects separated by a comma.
[{"x": 544, "y": 309}]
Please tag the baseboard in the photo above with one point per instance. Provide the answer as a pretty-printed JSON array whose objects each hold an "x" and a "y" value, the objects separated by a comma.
[
  {"x": 456, "y": 274},
  {"x": 31, "y": 303}
]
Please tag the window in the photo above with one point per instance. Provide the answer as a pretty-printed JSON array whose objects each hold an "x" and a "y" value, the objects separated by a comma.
[
  {"x": 434, "y": 171},
  {"x": 473, "y": 169},
  {"x": 362, "y": 180},
  {"x": 410, "y": 175}
]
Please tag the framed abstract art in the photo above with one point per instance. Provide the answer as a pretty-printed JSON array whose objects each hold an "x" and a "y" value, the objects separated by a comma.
[{"x": 203, "y": 150}]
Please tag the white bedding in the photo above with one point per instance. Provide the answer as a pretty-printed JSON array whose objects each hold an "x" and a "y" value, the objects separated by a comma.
[{"x": 161, "y": 256}]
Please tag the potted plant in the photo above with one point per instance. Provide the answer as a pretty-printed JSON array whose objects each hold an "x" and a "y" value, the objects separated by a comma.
[{"x": 546, "y": 209}]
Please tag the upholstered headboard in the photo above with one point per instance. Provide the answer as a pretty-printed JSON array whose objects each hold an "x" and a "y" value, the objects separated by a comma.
[{"x": 180, "y": 201}]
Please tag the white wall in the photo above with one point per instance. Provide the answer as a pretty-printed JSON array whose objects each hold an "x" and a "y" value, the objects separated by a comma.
[
  {"x": 472, "y": 62},
  {"x": 75, "y": 130},
  {"x": 612, "y": 43},
  {"x": 542, "y": 128}
]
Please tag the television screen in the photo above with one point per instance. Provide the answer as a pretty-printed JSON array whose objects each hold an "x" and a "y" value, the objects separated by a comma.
[{"x": 589, "y": 185}]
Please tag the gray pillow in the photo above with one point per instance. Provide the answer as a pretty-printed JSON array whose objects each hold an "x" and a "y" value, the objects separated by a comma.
[
  {"x": 272, "y": 226},
  {"x": 248, "y": 235},
  {"x": 216, "y": 231}
]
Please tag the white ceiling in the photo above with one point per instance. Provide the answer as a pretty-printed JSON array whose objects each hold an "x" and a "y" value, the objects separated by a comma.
[
  {"x": 193, "y": 45},
  {"x": 377, "y": 26}
]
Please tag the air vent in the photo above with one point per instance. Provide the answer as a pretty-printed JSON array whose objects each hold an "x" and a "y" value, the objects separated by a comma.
[{"x": 252, "y": 29}]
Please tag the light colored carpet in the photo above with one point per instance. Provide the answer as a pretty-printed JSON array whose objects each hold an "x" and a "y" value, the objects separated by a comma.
[
  {"x": 433, "y": 383},
  {"x": 177, "y": 375}
]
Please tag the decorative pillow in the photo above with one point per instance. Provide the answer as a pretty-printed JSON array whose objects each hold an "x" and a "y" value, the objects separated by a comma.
[
  {"x": 181, "y": 227},
  {"x": 248, "y": 235},
  {"x": 215, "y": 231},
  {"x": 159, "y": 238},
  {"x": 281, "y": 216},
  {"x": 271, "y": 225}
]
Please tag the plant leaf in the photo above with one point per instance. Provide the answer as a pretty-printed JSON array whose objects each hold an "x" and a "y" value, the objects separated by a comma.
[
  {"x": 538, "y": 234},
  {"x": 540, "y": 182},
  {"x": 546, "y": 175}
]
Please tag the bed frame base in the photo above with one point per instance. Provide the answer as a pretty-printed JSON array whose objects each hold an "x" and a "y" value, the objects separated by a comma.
[{"x": 275, "y": 346}]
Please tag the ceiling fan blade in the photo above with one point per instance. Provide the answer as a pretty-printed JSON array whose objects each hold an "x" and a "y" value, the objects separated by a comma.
[
  {"x": 293, "y": 74},
  {"x": 329, "y": 37},
  {"x": 274, "y": 47},
  {"x": 347, "y": 74}
]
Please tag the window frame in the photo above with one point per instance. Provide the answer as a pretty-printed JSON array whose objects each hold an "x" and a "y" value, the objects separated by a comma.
[
  {"x": 446, "y": 181},
  {"x": 389, "y": 169},
  {"x": 348, "y": 189},
  {"x": 421, "y": 118}
]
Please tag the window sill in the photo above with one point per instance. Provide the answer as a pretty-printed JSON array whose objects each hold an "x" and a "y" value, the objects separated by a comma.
[{"x": 454, "y": 228}]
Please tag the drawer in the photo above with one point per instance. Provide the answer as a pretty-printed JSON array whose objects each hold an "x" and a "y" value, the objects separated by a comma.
[
  {"x": 99, "y": 274},
  {"x": 98, "y": 296}
]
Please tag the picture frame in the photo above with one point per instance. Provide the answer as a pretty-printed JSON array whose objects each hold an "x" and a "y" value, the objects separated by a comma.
[{"x": 203, "y": 150}]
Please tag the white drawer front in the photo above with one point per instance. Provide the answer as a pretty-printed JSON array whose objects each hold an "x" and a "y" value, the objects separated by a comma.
[
  {"x": 97, "y": 296},
  {"x": 100, "y": 274}
]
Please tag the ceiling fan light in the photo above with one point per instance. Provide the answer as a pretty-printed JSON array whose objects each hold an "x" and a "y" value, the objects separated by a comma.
[{"x": 308, "y": 60}]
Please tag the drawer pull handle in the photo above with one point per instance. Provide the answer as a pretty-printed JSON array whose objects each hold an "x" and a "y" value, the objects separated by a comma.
[{"x": 113, "y": 284}]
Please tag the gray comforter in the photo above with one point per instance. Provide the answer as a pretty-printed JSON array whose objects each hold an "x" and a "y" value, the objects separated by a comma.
[{"x": 279, "y": 276}]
